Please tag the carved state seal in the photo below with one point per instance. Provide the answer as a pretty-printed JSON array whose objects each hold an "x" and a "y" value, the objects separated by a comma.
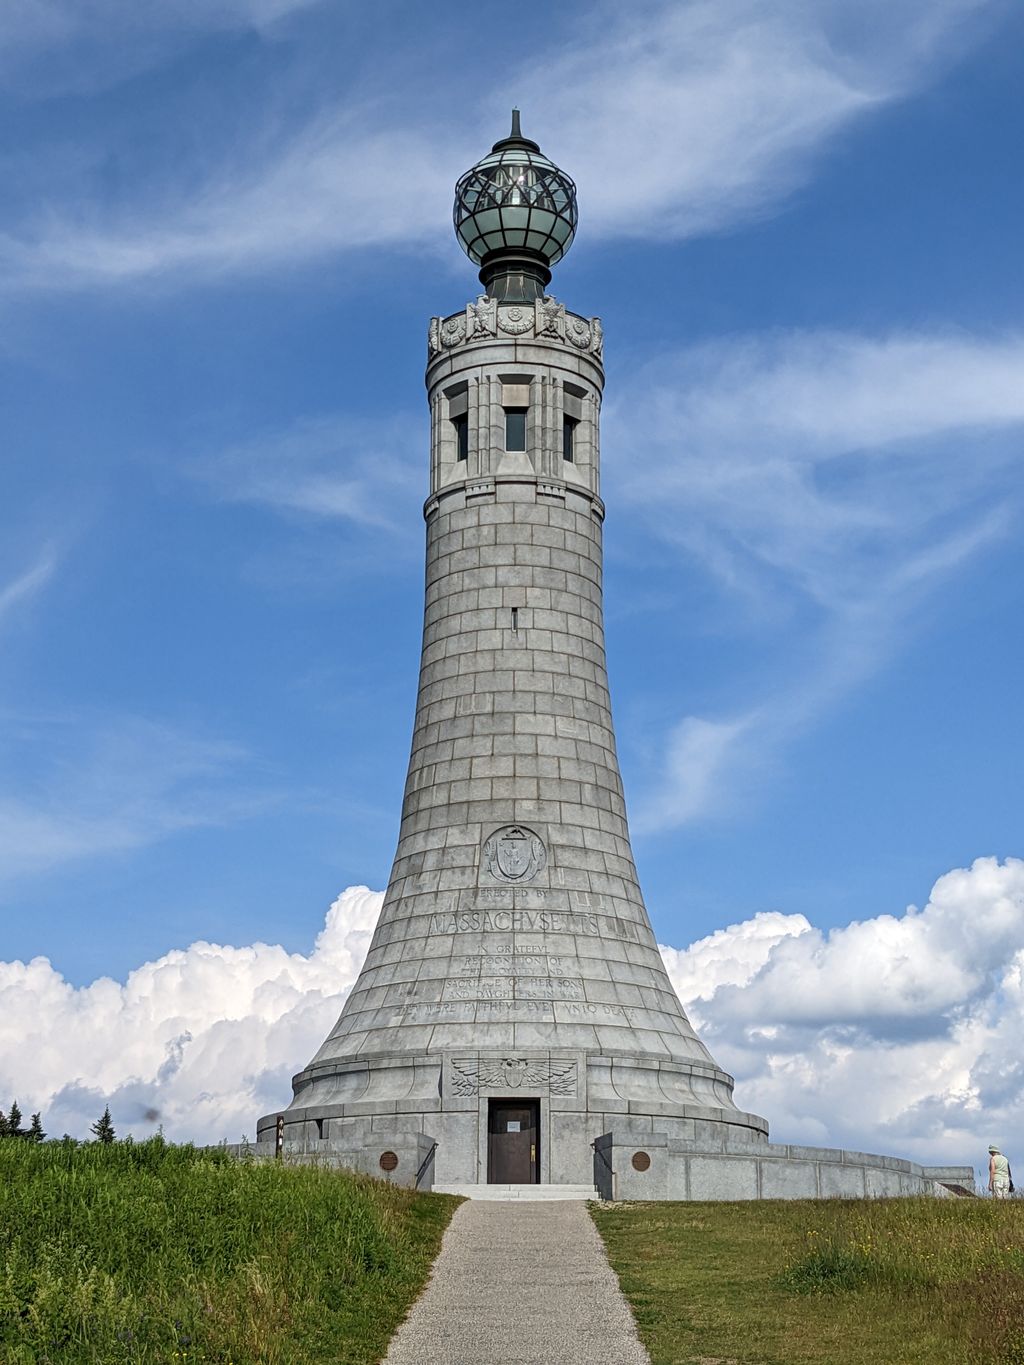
[{"x": 514, "y": 854}]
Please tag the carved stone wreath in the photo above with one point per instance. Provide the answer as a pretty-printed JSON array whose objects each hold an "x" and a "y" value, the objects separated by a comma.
[
  {"x": 515, "y": 321},
  {"x": 577, "y": 332},
  {"x": 453, "y": 331}
]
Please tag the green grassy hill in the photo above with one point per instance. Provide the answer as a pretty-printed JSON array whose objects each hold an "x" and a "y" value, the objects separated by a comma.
[
  {"x": 831, "y": 1282},
  {"x": 144, "y": 1252}
]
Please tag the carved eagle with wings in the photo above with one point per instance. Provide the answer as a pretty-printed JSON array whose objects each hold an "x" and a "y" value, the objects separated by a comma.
[{"x": 512, "y": 1073}]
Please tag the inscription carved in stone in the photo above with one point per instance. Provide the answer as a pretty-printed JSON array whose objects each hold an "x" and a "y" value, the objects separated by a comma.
[
  {"x": 468, "y": 987},
  {"x": 471, "y": 1075},
  {"x": 519, "y": 963},
  {"x": 530, "y": 922},
  {"x": 478, "y": 988},
  {"x": 549, "y": 988},
  {"x": 425, "y": 1012},
  {"x": 514, "y": 854}
]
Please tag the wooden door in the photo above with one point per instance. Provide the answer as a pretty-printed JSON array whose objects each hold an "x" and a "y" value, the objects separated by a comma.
[{"x": 513, "y": 1142}]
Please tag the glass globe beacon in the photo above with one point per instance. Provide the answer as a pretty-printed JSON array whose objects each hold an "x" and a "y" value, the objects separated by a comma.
[{"x": 515, "y": 216}]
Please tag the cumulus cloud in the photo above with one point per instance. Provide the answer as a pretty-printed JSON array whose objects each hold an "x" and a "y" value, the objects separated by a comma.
[
  {"x": 203, "y": 1040},
  {"x": 677, "y": 119},
  {"x": 898, "y": 1033},
  {"x": 820, "y": 478}
]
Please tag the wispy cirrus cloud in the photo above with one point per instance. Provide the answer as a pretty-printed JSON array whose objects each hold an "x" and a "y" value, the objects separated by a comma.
[
  {"x": 367, "y": 472},
  {"x": 73, "y": 789},
  {"x": 27, "y": 584},
  {"x": 831, "y": 478},
  {"x": 678, "y": 120},
  {"x": 683, "y": 119},
  {"x": 63, "y": 45}
]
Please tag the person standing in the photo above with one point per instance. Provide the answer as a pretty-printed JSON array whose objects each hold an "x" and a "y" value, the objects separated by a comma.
[{"x": 999, "y": 1183}]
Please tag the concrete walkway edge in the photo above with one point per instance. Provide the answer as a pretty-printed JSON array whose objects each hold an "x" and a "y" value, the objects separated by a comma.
[{"x": 521, "y": 1281}]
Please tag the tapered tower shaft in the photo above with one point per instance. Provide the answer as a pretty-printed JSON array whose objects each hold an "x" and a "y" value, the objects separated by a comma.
[{"x": 513, "y": 956}]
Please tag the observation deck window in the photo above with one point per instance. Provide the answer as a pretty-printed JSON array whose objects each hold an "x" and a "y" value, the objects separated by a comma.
[
  {"x": 461, "y": 425},
  {"x": 569, "y": 425},
  {"x": 515, "y": 428}
]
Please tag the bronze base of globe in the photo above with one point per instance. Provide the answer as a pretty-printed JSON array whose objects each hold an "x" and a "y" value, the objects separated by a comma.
[{"x": 515, "y": 275}]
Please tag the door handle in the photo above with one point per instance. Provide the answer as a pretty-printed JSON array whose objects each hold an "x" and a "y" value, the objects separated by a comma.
[{"x": 533, "y": 1151}]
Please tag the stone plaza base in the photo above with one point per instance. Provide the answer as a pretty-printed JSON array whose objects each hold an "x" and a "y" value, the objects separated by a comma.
[
  {"x": 672, "y": 1168},
  {"x": 355, "y": 1110},
  {"x": 640, "y": 1163},
  {"x": 681, "y": 1153}
]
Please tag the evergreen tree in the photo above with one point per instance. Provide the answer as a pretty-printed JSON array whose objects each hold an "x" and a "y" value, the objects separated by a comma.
[
  {"x": 3, "y": 1124},
  {"x": 35, "y": 1132},
  {"x": 103, "y": 1128},
  {"x": 14, "y": 1128}
]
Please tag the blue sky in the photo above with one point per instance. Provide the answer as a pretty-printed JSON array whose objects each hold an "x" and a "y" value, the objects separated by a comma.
[{"x": 223, "y": 232}]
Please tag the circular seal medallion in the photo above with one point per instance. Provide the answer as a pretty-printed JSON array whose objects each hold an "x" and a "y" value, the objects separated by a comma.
[
  {"x": 578, "y": 332},
  {"x": 514, "y": 321},
  {"x": 514, "y": 854},
  {"x": 453, "y": 330},
  {"x": 388, "y": 1161},
  {"x": 641, "y": 1161}
]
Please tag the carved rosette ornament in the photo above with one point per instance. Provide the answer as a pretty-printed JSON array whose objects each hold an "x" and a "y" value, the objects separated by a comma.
[
  {"x": 515, "y": 321},
  {"x": 578, "y": 332},
  {"x": 453, "y": 331}
]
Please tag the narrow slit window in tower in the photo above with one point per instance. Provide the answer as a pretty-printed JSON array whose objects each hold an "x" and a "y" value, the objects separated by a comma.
[
  {"x": 461, "y": 425},
  {"x": 515, "y": 428},
  {"x": 515, "y": 620},
  {"x": 569, "y": 425}
]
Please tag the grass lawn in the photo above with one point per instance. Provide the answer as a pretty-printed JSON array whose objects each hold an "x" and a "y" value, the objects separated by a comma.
[
  {"x": 148, "y": 1254},
  {"x": 834, "y": 1282}
]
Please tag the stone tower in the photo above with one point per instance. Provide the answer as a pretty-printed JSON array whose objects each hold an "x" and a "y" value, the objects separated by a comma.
[{"x": 513, "y": 1006}]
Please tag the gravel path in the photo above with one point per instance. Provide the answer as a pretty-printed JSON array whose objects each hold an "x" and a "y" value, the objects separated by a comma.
[{"x": 524, "y": 1283}]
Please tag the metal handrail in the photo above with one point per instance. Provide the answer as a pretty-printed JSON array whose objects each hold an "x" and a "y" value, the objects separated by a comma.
[{"x": 423, "y": 1165}]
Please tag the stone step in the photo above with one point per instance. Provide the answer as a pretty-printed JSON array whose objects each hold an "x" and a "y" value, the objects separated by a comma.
[{"x": 531, "y": 1192}]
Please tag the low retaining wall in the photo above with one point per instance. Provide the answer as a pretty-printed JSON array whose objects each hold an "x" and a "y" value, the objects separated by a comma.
[
  {"x": 660, "y": 1167},
  {"x": 395, "y": 1153}
]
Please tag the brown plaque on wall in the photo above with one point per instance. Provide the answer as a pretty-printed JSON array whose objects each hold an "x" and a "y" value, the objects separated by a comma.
[
  {"x": 641, "y": 1161},
  {"x": 388, "y": 1161}
]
